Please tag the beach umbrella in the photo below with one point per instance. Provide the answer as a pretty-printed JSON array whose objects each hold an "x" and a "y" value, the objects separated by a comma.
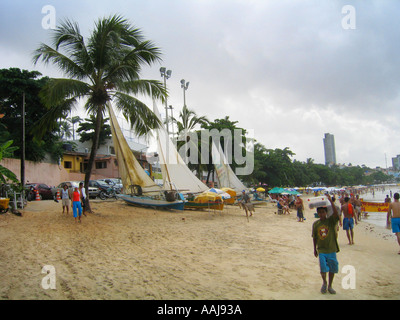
[
  {"x": 208, "y": 196},
  {"x": 215, "y": 190},
  {"x": 232, "y": 193},
  {"x": 223, "y": 194},
  {"x": 290, "y": 192},
  {"x": 276, "y": 190},
  {"x": 260, "y": 189}
]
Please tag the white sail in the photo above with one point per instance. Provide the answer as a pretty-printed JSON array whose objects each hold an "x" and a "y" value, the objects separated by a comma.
[
  {"x": 226, "y": 177},
  {"x": 175, "y": 172},
  {"x": 130, "y": 170}
]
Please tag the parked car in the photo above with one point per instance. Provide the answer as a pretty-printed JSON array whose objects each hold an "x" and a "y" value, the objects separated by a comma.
[
  {"x": 101, "y": 185},
  {"x": 115, "y": 183},
  {"x": 44, "y": 191},
  {"x": 93, "y": 191}
]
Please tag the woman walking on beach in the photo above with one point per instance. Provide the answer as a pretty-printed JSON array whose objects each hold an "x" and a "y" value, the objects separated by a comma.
[{"x": 76, "y": 204}]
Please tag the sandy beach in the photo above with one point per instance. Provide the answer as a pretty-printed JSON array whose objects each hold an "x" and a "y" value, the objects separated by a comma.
[{"x": 124, "y": 252}]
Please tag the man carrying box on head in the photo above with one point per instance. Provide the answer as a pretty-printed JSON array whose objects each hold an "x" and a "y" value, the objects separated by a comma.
[{"x": 326, "y": 245}]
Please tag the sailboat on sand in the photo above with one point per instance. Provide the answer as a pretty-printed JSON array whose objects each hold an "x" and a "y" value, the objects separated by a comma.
[
  {"x": 177, "y": 176},
  {"x": 139, "y": 188}
]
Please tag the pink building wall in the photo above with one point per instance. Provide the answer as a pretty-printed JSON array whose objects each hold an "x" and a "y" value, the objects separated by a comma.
[{"x": 48, "y": 173}]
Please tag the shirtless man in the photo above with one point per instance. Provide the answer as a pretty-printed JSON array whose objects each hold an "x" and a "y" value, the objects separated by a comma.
[
  {"x": 357, "y": 206},
  {"x": 349, "y": 219},
  {"x": 394, "y": 214}
]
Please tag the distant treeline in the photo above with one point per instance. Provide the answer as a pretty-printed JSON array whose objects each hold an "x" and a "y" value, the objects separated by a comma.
[{"x": 275, "y": 167}]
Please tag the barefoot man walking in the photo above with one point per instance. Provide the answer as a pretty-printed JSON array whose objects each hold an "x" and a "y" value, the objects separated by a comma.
[
  {"x": 349, "y": 219},
  {"x": 394, "y": 214}
]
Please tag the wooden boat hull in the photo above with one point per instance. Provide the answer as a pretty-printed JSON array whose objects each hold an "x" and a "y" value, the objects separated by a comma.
[
  {"x": 144, "y": 201},
  {"x": 204, "y": 205}
]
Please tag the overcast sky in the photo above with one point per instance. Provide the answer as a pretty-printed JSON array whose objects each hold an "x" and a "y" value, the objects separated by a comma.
[{"x": 289, "y": 70}]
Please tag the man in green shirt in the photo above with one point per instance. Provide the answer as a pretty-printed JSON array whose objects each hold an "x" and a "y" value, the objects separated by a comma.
[{"x": 325, "y": 244}]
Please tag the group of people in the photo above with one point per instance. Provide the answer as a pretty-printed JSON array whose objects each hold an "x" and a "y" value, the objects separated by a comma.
[
  {"x": 78, "y": 197},
  {"x": 284, "y": 204}
]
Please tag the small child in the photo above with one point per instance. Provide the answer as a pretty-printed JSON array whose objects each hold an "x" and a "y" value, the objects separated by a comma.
[
  {"x": 76, "y": 204},
  {"x": 325, "y": 244}
]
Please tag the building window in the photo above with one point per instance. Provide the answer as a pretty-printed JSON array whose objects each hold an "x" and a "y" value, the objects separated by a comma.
[
  {"x": 67, "y": 164},
  {"x": 101, "y": 165}
]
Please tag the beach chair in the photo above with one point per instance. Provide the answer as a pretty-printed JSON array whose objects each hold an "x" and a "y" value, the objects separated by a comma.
[
  {"x": 272, "y": 200},
  {"x": 280, "y": 208}
]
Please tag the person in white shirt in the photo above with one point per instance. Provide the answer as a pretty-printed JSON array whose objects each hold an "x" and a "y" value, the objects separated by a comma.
[
  {"x": 65, "y": 196},
  {"x": 83, "y": 197}
]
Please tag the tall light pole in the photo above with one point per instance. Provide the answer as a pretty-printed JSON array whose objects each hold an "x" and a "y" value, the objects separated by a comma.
[
  {"x": 166, "y": 74},
  {"x": 23, "y": 145},
  {"x": 185, "y": 86},
  {"x": 172, "y": 126}
]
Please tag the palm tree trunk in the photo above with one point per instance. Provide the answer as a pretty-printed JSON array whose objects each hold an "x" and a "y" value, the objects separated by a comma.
[{"x": 99, "y": 120}]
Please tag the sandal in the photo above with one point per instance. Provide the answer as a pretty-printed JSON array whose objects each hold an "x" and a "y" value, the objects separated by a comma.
[{"x": 323, "y": 288}]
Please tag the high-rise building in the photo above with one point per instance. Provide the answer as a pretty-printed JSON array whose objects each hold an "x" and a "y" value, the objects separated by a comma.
[
  {"x": 396, "y": 162},
  {"x": 329, "y": 147}
]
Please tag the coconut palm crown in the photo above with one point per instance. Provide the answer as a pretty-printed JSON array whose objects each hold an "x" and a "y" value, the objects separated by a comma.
[{"x": 104, "y": 69}]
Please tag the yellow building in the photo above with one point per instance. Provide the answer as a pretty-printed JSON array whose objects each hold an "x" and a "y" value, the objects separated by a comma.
[{"x": 73, "y": 161}]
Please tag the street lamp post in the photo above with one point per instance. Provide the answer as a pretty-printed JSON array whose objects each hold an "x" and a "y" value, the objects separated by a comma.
[
  {"x": 166, "y": 74},
  {"x": 172, "y": 125},
  {"x": 185, "y": 86}
]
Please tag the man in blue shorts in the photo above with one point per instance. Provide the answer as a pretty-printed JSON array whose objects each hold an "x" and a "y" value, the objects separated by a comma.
[
  {"x": 393, "y": 216},
  {"x": 326, "y": 245},
  {"x": 349, "y": 219}
]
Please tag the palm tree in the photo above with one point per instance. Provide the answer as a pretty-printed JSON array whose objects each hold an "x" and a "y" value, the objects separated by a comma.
[
  {"x": 65, "y": 129},
  {"x": 86, "y": 130},
  {"x": 104, "y": 69},
  {"x": 189, "y": 120},
  {"x": 74, "y": 120}
]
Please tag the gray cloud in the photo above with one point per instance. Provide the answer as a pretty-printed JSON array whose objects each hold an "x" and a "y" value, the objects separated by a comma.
[{"x": 286, "y": 69}]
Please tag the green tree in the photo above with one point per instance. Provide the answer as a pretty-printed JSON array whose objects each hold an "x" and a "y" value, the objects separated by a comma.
[
  {"x": 6, "y": 150},
  {"x": 74, "y": 120},
  {"x": 258, "y": 174},
  {"x": 87, "y": 129},
  {"x": 13, "y": 84},
  {"x": 102, "y": 69},
  {"x": 220, "y": 125},
  {"x": 186, "y": 123},
  {"x": 65, "y": 129}
]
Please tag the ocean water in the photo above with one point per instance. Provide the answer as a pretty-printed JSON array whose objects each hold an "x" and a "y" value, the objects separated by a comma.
[{"x": 378, "y": 218}]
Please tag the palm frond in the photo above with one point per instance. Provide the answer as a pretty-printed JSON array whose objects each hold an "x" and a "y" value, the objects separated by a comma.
[
  {"x": 49, "y": 120},
  {"x": 141, "y": 118},
  {"x": 58, "y": 90},
  {"x": 68, "y": 37},
  {"x": 48, "y": 54},
  {"x": 106, "y": 42},
  {"x": 153, "y": 88}
]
